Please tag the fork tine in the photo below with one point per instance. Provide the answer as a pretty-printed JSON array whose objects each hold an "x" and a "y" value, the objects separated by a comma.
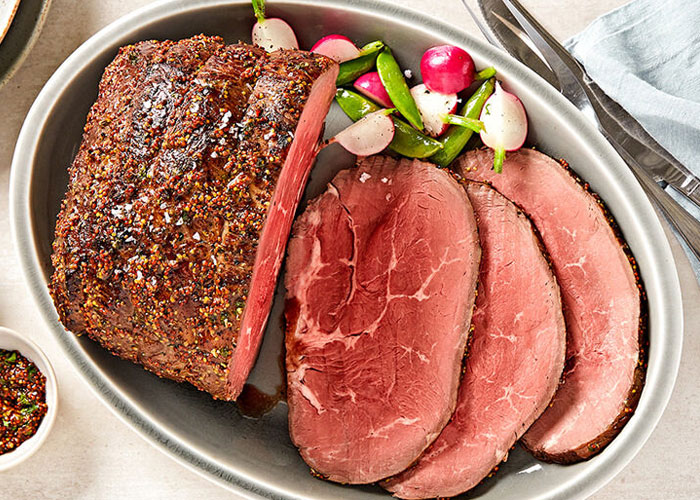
[
  {"x": 557, "y": 57},
  {"x": 520, "y": 34},
  {"x": 499, "y": 31},
  {"x": 484, "y": 30}
]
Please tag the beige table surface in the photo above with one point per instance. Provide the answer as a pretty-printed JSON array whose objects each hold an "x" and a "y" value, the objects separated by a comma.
[{"x": 90, "y": 454}]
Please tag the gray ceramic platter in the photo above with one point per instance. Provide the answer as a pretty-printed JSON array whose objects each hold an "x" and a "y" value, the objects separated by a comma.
[
  {"x": 22, "y": 34},
  {"x": 255, "y": 456}
]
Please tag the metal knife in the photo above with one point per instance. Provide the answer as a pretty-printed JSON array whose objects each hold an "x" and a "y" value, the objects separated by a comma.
[
  {"x": 504, "y": 29},
  {"x": 576, "y": 86}
]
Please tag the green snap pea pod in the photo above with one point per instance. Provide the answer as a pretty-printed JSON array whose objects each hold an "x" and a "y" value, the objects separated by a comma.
[
  {"x": 407, "y": 140},
  {"x": 411, "y": 143},
  {"x": 350, "y": 70},
  {"x": 355, "y": 105},
  {"x": 456, "y": 137},
  {"x": 372, "y": 48},
  {"x": 485, "y": 73},
  {"x": 471, "y": 123},
  {"x": 395, "y": 84}
]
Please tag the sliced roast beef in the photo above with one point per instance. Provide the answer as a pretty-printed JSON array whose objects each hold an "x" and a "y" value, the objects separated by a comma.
[
  {"x": 278, "y": 144},
  {"x": 516, "y": 356},
  {"x": 603, "y": 376},
  {"x": 381, "y": 277},
  {"x": 180, "y": 202}
]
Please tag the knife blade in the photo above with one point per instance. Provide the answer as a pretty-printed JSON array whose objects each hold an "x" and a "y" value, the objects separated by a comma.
[
  {"x": 664, "y": 168},
  {"x": 503, "y": 31},
  {"x": 579, "y": 89}
]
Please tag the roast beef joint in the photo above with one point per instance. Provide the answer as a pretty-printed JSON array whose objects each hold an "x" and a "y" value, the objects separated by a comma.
[{"x": 180, "y": 203}]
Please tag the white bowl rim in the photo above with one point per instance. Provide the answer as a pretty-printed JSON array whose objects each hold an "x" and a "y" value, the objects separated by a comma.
[
  {"x": 32, "y": 352},
  {"x": 31, "y": 41},
  {"x": 658, "y": 388}
]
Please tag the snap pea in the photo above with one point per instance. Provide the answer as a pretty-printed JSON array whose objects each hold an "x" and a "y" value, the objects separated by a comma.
[
  {"x": 395, "y": 84},
  {"x": 350, "y": 70},
  {"x": 355, "y": 105},
  {"x": 456, "y": 137},
  {"x": 372, "y": 48},
  {"x": 407, "y": 140},
  {"x": 485, "y": 73},
  {"x": 471, "y": 123},
  {"x": 411, "y": 143}
]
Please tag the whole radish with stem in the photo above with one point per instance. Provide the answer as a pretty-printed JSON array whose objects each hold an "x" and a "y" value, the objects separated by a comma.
[
  {"x": 370, "y": 135},
  {"x": 273, "y": 33},
  {"x": 505, "y": 125}
]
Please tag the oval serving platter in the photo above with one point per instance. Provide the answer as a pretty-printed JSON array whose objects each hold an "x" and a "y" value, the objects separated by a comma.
[{"x": 254, "y": 456}]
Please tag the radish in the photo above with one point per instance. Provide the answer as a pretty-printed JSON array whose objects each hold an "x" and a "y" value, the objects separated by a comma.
[
  {"x": 369, "y": 135},
  {"x": 505, "y": 125},
  {"x": 274, "y": 33},
  {"x": 338, "y": 47},
  {"x": 371, "y": 85},
  {"x": 447, "y": 69},
  {"x": 433, "y": 106}
]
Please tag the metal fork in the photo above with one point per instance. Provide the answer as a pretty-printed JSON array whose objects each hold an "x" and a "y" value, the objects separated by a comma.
[
  {"x": 664, "y": 168},
  {"x": 575, "y": 84}
]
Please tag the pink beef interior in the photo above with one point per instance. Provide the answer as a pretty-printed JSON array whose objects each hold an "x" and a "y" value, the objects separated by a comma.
[
  {"x": 515, "y": 358},
  {"x": 599, "y": 292},
  {"x": 273, "y": 239},
  {"x": 381, "y": 277}
]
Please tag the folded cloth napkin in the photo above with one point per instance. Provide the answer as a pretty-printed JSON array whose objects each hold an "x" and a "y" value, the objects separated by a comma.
[{"x": 646, "y": 56}]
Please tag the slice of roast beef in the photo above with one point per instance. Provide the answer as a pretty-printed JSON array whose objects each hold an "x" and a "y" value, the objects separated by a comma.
[
  {"x": 381, "y": 277},
  {"x": 604, "y": 370},
  {"x": 190, "y": 170},
  {"x": 516, "y": 356},
  {"x": 278, "y": 145}
]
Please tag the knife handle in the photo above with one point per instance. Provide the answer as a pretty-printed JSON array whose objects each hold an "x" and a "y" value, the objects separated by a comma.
[{"x": 685, "y": 224}]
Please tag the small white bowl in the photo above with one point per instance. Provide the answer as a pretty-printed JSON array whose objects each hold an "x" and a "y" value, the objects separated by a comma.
[{"x": 13, "y": 341}]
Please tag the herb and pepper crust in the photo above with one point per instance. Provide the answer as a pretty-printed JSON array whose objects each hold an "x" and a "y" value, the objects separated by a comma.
[
  {"x": 156, "y": 239},
  {"x": 22, "y": 400}
]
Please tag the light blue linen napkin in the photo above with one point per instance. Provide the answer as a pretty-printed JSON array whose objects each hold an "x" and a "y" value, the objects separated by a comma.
[{"x": 646, "y": 56}]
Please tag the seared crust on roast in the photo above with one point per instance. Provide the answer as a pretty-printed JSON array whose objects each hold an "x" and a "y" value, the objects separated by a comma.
[
  {"x": 593, "y": 447},
  {"x": 168, "y": 196}
]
